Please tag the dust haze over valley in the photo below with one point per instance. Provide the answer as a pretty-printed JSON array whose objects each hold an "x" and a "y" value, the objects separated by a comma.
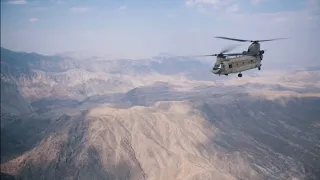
[{"x": 86, "y": 92}]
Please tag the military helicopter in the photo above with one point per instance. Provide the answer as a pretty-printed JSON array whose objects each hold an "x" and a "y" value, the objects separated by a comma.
[{"x": 242, "y": 61}]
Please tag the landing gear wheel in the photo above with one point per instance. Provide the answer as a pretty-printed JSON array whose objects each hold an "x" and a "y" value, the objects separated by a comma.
[
  {"x": 259, "y": 68},
  {"x": 239, "y": 75}
]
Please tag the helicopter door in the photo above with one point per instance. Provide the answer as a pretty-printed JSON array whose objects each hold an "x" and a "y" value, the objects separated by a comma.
[{"x": 229, "y": 68}]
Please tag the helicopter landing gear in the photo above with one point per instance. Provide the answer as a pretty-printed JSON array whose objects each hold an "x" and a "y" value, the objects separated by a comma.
[
  {"x": 259, "y": 67},
  {"x": 239, "y": 75}
]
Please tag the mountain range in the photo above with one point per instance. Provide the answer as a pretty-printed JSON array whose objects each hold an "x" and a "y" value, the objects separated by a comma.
[{"x": 159, "y": 118}]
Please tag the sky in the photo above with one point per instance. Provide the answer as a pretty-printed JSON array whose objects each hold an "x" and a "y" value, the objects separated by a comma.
[{"x": 145, "y": 28}]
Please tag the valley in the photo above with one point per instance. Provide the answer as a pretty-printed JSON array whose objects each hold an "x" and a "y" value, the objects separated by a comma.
[{"x": 161, "y": 118}]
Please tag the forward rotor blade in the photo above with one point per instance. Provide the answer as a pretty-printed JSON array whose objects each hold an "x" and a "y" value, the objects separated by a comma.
[
  {"x": 230, "y": 54},
  {"x": 204, "y": 55},
  {"x": 233, "y": 54},
  {"x": 198, "y": 56},
  {"x": 229, "y": 48}
]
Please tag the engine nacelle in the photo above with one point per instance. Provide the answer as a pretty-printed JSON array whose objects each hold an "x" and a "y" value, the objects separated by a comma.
[{"x": 254, "y": 49}]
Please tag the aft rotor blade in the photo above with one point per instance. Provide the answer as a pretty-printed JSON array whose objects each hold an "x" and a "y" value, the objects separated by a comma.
[
  {"x": 233, "y": 39},
  {"x": 271, "y": 39},
  {"x": 243, "y": 40}
]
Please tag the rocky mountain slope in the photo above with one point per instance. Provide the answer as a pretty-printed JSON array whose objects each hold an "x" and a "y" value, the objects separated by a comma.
[
  {"x": 65, "y": 118},
  {"x": 238, "y": 137},
  {"x": 138, "y": 143}
]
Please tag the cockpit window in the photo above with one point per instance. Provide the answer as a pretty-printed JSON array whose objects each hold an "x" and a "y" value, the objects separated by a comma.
[{"x": 216, "y": 66}]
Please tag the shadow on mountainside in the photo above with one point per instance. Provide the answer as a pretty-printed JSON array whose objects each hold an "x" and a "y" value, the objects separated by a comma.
[
  {"x": 75, "y": 158},
  {"x": 20, "y": 134},
  {"x": 5, "y": 176},
  {"x": 279, "y": 137}
]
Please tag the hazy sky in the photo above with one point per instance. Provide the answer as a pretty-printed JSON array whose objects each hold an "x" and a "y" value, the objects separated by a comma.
[{"x": 142, "y": 28}]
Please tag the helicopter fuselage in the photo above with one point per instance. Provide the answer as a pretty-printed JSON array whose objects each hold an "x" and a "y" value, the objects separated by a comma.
[
  {"x": 225, "y": 66},
  {"x": 245, "y": 61},
  {"x": 249, "y": 60}
]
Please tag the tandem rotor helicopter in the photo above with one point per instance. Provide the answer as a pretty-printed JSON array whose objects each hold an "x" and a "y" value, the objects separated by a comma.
[{"x": 242, "y": 61}]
